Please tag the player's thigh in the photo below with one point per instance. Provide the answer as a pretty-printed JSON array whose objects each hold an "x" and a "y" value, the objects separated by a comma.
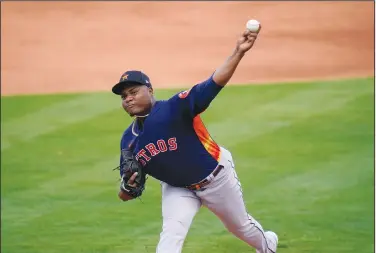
[
  {"x": 224, "y": 198},
  {"x": 179, "y": 204}
]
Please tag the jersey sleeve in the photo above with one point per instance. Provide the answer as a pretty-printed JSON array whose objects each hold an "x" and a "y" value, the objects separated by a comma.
[{"x": 197, "y": 99}]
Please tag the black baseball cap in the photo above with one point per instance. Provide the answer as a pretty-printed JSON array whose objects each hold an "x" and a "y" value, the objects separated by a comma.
[{"x": 131, "y": 77}]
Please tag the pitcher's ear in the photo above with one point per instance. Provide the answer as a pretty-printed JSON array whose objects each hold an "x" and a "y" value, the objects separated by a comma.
[{"x": 151, "y": 91}]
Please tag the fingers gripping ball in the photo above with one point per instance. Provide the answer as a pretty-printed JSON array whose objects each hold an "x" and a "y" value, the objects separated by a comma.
[{"x": 132, "y": 184}]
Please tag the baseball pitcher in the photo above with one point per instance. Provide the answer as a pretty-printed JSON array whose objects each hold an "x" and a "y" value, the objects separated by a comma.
[{"x": 168, "y": 141}]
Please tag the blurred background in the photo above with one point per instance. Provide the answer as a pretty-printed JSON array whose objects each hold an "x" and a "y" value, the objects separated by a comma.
[
  {"x": 80, "y": 46},
  {"x": 302, "y": 138}
]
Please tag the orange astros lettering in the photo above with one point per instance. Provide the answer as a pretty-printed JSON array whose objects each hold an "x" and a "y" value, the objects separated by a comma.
[
  {"x": 172, "y": 144},
  {"x": 151, "y": 150},
  {"x": 162, "y": 145}
]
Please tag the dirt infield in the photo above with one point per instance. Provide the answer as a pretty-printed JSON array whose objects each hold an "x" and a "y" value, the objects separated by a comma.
[{"x": 50, "y": 47}]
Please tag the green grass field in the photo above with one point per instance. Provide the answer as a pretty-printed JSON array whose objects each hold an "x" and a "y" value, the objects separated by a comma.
[{"x": 304, "y": 154}]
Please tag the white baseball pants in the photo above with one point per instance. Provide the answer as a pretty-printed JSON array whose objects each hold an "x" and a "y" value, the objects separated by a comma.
[{"x": 223, "y": 196}]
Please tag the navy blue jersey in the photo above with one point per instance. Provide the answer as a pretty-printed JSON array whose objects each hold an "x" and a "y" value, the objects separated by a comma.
[{"x": 173, "y": 145}]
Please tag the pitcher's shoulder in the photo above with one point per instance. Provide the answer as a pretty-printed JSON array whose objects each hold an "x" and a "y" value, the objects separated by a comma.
[
  {"x": 127, "y": 138},
  {"x": 127, "y": 132}
]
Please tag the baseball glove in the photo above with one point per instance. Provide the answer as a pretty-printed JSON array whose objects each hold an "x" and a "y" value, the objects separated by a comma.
[{"x": 128, "y": 167}]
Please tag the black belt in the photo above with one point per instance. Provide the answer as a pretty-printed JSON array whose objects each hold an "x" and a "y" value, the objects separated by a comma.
[{"x": 205, "y": 181}]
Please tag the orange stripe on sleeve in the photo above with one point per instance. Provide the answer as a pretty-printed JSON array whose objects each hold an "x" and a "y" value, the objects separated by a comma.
[{"x": 205, "y": 138}]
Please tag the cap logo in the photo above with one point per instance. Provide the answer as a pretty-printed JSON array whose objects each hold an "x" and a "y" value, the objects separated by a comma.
[{"x": 124, "y": 77}]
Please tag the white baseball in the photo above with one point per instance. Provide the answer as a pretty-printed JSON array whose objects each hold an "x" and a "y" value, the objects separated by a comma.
[{"x": 253, "y": 25}]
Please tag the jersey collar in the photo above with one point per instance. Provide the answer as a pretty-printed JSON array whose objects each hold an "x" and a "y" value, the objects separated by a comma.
[{"x": 135, "y": 129}]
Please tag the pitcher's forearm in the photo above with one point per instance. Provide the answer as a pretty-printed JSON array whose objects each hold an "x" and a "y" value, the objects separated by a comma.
[{"x": 224, "y": 73}]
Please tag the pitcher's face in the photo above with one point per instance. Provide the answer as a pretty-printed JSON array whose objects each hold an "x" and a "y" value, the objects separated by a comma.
[{"x": 137, "y": 99}]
